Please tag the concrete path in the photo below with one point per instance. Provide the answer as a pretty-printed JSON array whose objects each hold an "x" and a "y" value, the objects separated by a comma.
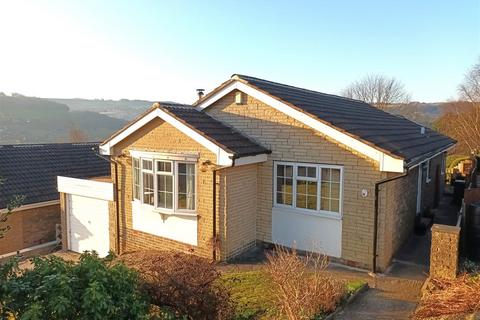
[{"x": 388, "y": 297}]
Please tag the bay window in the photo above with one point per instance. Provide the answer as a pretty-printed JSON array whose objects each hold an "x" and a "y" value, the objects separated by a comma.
[
  {"x": 312, "y": 187},
  {"x": 168, "y": 185}
]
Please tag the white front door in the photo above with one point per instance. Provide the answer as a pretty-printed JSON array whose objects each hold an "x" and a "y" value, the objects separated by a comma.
[{"x": 88, "y": 224}]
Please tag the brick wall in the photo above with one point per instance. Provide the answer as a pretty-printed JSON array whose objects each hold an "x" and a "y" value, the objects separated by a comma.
[
  {"x": 240, "y": 209},
  {"x": 290, "y": 140},
  {"x": 30, "y": 228},
  {"x": 444, "y": 251}
]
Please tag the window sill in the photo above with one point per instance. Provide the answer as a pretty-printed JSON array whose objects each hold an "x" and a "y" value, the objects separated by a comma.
[
  {"x": 171, "y": 213},
  {"x": 319, "y": 214},
  {"x": 164, "y": 212}
]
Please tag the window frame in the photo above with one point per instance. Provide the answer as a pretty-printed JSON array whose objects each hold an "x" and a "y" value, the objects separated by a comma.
[
  {"x": 174, "y": 174},
  {"x": 317, "y": 179}
]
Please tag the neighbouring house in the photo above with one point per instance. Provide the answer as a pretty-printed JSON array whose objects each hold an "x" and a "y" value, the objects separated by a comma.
[
  {"x": 31, "y": 170},
  {"x": 257, "y": 162}
]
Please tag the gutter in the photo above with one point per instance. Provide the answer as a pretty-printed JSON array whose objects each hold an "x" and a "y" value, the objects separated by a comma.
[
  {"x": 214, "y": 208},
  {"x": 117, "y": 207},
  {"x": 375, "y": 217}
]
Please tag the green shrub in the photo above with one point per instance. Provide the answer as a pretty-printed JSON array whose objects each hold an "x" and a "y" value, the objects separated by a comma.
[{"x": 53, "y": 288}]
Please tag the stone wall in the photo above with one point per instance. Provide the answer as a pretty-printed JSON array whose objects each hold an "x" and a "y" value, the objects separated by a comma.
[{"x": 444, "y": 251}]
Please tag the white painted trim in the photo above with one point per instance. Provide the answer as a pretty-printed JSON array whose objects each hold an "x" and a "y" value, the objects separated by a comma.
[
  {"x": 39, "y": 246},
  {"x": 223, "y": 156},
  {"x": 33, "y": 206},
  {"x": 193, "y": 157},
  {"x": 86, "y": 188},
  {"x": 387, "y": 162},
  {"x": 250, "y": 159}
]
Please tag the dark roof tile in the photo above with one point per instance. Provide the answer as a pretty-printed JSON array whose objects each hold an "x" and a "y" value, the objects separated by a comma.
[
  {"x": 31, "y": 170},
  {"x": 391, "y": 133}
]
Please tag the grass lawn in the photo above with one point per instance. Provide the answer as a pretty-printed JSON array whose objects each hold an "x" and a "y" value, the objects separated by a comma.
[{"x": 252, "y": 292}]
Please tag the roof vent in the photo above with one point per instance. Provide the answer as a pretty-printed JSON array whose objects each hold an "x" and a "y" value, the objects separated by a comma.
[
  {"x": 422, "y": 130},
  {"x": 200, "y": 93}
]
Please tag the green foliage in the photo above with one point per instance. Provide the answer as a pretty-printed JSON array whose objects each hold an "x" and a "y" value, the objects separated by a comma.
[
  {"x": 93, "y": 288},
  {"x": 252, "y": 294}
]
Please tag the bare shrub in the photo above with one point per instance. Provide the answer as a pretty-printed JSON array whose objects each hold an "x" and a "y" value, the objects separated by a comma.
[
  {"x": 302, "y": 290},
  {"x": 184, "y": 283},
  {"x": 448, "y": 297}
]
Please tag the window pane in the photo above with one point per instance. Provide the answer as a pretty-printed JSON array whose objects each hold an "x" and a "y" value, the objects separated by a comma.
[
  {"x": 335, "y": 205},
  {"x": 302, "y": 171},
  {"x": 301, "y": 186},
  {"x": 165, "y": 191},
  {"x": 325, "y": 191},
  {"x": 325, "y": 204},
  {"x": 148, "y": 188},
  {"x": 325, "y": 174},
  {"x": 186, "y": 186},
  {"x": 136, "y": 178},
  {"x": 301, "y": 200},
  {"x": 288, "y": 171},
  {"x": 312, "y": 172},
  {"x": 312, "y": 202},
  {"x": 164, "y": 166},
  {"x": 335, "y": 190},
  {"x": 284, "y": 184},
  {"x": 147, "y": 164},
  {"x": 335, "y": 175}
]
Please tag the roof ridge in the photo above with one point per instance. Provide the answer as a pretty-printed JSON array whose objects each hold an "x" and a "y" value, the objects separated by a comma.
[{"x": 242, "y": 76}]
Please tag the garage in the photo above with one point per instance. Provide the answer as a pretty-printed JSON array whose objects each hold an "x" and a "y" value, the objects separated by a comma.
[{"x": 87, "y": 214}]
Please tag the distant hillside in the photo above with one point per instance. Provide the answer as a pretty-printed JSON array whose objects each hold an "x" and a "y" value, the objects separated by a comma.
[
  {"x": 423, "y": 113},
  {"x": 121, "y": 109},
  {"x": 36, "y": 120}
]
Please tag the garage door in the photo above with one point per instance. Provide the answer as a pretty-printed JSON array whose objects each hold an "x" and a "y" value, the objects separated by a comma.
[
  {"x": 87, "y": 214},
  {"x": 88, "y": 221}
]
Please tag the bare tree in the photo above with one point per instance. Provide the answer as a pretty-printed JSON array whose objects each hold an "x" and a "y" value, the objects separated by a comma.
[
  {"x": 462, "y": 122},
  {"x": 377, "y": 90},
  {"x": 78, "y": 135}
]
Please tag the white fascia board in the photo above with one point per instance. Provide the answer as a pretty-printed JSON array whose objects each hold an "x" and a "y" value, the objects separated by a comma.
[
  {"x": 223, "y": 157},
  {"x": 387, "y": 162},
  {"x": 86, "y": 188},
  {"x": 251, "y": 159}
]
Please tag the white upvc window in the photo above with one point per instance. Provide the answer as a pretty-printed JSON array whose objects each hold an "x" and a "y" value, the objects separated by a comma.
[
  {"x": 307, "y": 186},
  {"x": 166, "y": 185}
]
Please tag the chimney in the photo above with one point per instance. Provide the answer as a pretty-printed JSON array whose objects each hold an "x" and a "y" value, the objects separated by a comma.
[{"x": 200, "y": 93}]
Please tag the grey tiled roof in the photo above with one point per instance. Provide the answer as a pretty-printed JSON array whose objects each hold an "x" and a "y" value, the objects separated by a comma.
[
  {"x": 393, "y": 134},
  {"x": 31, "y": 170},
  {"x": 218, "y": 132}
]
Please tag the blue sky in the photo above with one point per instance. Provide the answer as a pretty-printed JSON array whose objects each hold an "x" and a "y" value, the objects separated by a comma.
[{"x": 163, "y": 50}]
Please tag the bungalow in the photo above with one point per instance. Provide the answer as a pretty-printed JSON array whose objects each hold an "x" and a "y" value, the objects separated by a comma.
[
  {"x": 257, "y": 162},
  {"x": 30, "y": 171}
]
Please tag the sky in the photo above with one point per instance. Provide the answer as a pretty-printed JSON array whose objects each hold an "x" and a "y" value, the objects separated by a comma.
[{"x": 164, "y": 50}]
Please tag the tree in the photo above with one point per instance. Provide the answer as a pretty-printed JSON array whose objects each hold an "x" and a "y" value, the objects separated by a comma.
[
  {"x": 462, "y": 121},
  {"x": 77, "y": 135},
  {"x": 378, "y": 90},
  {"x": 15, "y": 202},
  {"x": 53, "y": 289}
]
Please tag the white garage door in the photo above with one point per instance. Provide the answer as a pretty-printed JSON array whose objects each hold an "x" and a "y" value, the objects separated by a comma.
[
  {"x": 88, "y": 221},
  {"x": 87, "y": 214}
]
